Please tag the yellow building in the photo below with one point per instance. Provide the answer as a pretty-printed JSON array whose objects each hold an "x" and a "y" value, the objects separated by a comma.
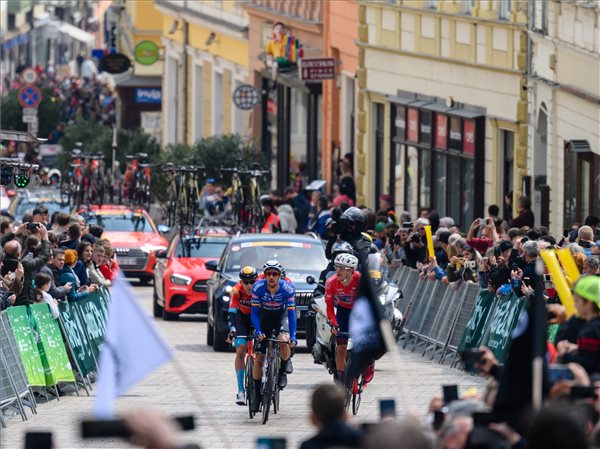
[
  {"x": 442, "y": 119},
  {"x": 206, "y": 59},
  {"x": 139, "y": 90}
]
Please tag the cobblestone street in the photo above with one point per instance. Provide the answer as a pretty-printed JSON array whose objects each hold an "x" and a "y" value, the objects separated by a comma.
[{"x": 213, "y": 378}]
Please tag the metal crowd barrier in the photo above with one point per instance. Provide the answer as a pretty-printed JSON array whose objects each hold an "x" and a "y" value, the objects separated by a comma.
[{"x": 435, "y": 314}]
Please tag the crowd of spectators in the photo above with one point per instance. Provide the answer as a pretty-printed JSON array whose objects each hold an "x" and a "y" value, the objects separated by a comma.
[{"x": 51, "y": 259}]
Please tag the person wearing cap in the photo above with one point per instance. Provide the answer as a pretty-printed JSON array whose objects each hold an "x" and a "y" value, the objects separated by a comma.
[
  {"x": 385, "y": 203},
  {"x": 586, "y": 350},
  {"x": 379, "y": 235}
]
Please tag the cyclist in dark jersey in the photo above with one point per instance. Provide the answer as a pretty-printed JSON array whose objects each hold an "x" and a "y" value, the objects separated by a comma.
[
  {"x": 240, "y": 324},
  {"x": 273, "y": 310}
]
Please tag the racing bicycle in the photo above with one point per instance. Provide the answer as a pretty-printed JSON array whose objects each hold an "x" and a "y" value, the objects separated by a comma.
[
  {"x": 248, "y": 379},
  {"x": 270, "y": 388},
  {"x": 354, "y": 387}
]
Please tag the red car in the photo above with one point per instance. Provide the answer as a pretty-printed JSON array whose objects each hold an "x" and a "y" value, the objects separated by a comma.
[
  {"x": 133, "y": 236},
  {"x": 180, "y": 275}
]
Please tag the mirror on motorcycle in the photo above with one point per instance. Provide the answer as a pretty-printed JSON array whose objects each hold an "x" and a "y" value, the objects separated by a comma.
[{"x": 310, "y": 280}]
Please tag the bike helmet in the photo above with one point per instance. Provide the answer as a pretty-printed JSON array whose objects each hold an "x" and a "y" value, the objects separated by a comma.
[
  {"x": 248, "y": 273},
  {"x": 266, "y": 200},
  {"x": 341, "y": 248},
  {"x": 354, "y": 218},
  {"x": 272, "y": 265},
  {"x": 346, "y": 260}
]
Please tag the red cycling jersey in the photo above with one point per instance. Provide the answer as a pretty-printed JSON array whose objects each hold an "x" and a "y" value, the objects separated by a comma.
[
  {"x": 240, "y": 300},
  {"x": 340, "y": 296}
]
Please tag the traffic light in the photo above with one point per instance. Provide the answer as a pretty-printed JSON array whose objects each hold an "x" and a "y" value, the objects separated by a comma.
[{"x": 21, "y": 181}]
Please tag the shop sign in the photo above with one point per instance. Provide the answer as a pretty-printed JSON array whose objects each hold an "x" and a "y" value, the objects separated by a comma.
[
  {"x": 441, "y": 131},
  {"x": 115, "y": 63},
  {"x": 469, "y": 137},
  {"x": 455, "y": 134},
  {"x": 146, "y": 53},
  {"x": 317, "y": 69},
  {"x": 152, "y": 95},
  {"x": 425, "y": 127},
  {"x": 413, "y": 125},
  {"x": 400, "y": 122}
]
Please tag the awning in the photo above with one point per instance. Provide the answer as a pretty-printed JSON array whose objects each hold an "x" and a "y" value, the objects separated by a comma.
[
  {"x": 19, "y": 39},
  {"x": 77, "y": 33},
  {"x": 580, "y": 146},
  {"x": 137, "y": 81}
]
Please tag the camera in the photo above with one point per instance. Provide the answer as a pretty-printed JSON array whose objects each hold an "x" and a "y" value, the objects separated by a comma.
[
  {"x": 32, "y": 227},
  {"x": 415, "y": 238}
]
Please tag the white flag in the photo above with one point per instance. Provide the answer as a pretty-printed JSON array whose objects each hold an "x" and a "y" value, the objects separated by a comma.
[{"x": 132, "y": 348}]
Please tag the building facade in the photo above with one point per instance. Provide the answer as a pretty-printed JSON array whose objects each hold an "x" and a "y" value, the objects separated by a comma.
[
  {"x": 139, "y": 90},
  {"x": 565, "y": 110},
  {"x": 289, "y": 122},
  {"x": 206, "y": 59},
  {"x": 442, "y": 104},
  {"x": 340, "y": 32}
]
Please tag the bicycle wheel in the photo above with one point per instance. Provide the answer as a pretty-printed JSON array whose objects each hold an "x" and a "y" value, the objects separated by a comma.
[
  {"x": 268, "y": 393},
  {"x": 276, "y": 392},
  {"x": 249, "y": 386},
  {"x": 356, "y": 397}
]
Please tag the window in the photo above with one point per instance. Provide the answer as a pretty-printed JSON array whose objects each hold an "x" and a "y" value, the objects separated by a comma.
[
  {"x": 468, "y": 192},
  {"x": 440, "y": 193},
  {"x": 432, "y": 4},
  {"x": 217, "y": 102},
  {"x": 504, "y": 9},
  {"x": 379, "y": 122},
  {"x": 237, "y": 115},
  {"x": 347, "y": 113},
  {"x": 411, "y": 181},
  {"x": 198, "y": 103},
  {"x": 171, "y": 105},
  {"x": 582, "y": 182},
  {"x": 506, "y": 146},
  {"x": 539, "y": 16},
  {"x": 425, "y": 179},
  {"x": 468, "y": 6}
]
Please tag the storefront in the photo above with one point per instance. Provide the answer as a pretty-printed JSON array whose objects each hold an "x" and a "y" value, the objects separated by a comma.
[
  {"x": 582, "y": 182},
  {"x": 291, "y": 135},
  {"x": 438, "y": 151}
]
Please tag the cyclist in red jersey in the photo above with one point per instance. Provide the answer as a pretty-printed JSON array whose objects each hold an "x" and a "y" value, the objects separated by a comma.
[
  {"x": 240, "y": 323},
  {"x": 342, "y": 290}
]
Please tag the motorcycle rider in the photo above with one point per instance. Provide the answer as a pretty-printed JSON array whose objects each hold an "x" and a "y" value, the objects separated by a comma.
[{"x": 239, "y": 320}]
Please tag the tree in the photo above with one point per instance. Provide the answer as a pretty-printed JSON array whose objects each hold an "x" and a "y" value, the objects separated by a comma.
[{"x": 11, "y": 112}]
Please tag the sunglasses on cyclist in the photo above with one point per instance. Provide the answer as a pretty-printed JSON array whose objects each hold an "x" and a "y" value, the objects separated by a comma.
[
  {"x": 250, "y": 282},
  {"x": 272, "y": 274},
  {"x": 339, "y": 267}
]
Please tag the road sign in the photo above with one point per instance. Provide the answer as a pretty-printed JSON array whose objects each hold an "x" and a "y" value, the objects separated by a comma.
[
  {"x": 30, "y": 111},
  {"x": 317, "y": 69},
  {"x": 246, "y": 97},
  {"x": 29, "y": 96},
  {"x": 29, "y": 76},
  {"x": 30, "y": 118}
]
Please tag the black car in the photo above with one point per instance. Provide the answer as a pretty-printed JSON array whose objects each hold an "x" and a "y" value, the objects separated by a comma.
[{"x": 300, "y": 256}]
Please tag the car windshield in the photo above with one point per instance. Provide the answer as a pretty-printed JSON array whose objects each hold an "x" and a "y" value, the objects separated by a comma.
[
  {"x": 121, "y": 222},
  {"x": 294, "y": 256},
  {"x": 205, "y": 247},
  {"x": 26, "y": 206}
]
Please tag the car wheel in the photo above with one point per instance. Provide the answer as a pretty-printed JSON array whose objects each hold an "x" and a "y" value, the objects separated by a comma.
[
  {"x": 210, "y": 334},
  {"x": 156, "y": 307},
  {"x": 311, "y": 335},
  {"x": 219, "y": 343}
]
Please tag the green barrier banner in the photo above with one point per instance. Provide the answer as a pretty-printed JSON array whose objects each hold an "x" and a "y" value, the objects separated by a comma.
[
  {"x": 93, "y": 319},
  {"x": 75, "y": 335},
  {"x": 473, "y": 335},
  {"x": 50, "y": 343},
  {"x": 26, "y": 345},
  {"x": 504, "y": 321}
]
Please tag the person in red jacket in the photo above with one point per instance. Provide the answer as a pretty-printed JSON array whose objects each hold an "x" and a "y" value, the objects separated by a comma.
[
  {"x": 110, "y": 267},
  {"x": 240, "y": 324},
  {"x": 341, "y": 291}
]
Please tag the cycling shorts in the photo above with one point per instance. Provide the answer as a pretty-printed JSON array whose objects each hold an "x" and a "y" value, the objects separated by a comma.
[
  {"x": 243, "y": 326},
  {"x": 272, "y": 322},
  {"x": 342, "y": 315}
]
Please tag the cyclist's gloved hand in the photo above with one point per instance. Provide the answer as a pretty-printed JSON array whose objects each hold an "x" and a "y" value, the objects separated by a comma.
[
  {"x": 293, "y": 342},
  {"x": 232, "y": 334},
  {"x": 259, "y": 335},
  {"x": 334, "y": 328},
  {"x": 505, "y": 289}
]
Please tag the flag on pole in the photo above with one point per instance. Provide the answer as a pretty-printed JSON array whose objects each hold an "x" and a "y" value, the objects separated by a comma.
[
  {"x": 132, "y": 348},
  {"x": 365, "y": 324}
]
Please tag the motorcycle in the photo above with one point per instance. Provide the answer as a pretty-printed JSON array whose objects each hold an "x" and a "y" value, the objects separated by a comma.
[{"x": 324, "y": 346}]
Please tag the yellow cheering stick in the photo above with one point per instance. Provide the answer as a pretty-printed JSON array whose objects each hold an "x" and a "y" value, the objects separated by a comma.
[
  {"x": 568, "y": 263},
  {"x": 559, "y": 281},
  {"x": 429, "y": 241}
]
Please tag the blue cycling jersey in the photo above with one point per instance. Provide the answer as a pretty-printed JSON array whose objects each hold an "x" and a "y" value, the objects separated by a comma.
[{"x": 283, "y": 299}]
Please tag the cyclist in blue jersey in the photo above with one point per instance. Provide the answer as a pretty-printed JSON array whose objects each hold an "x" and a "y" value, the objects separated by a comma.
[{"x": 273, "y": 309}]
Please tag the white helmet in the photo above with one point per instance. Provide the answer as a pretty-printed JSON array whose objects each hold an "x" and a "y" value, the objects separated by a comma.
[{"x": 346, "y": 260}]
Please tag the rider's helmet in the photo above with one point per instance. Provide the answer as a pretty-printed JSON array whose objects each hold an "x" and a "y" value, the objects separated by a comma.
[
  {"x": 341, "y": 248},
  {"x": 353, "y": 220},
  {"x": 346, "y": 261},
  {"x": 273, "y": 265},
  {"x": 266, "y": 200},
  {"x": 248, "y": 273}
]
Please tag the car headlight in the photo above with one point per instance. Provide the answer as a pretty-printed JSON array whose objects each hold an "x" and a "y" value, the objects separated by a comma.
[
  {"x": 225, "y": 298},
  {"x": 147, "y": 248},
  {"x": 180, "y": 279},
  {"x": 228, "y": 288}
]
